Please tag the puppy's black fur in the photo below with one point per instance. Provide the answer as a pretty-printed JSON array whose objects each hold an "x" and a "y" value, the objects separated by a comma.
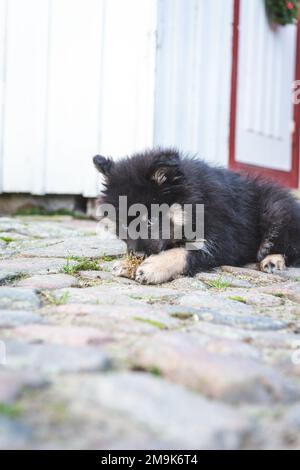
[{"x": 246, "y": 218}]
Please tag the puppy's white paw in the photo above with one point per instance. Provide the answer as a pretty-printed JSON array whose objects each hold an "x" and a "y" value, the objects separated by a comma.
[
  {"x": 151, "y": 272},
  {"x": 162, "y": 267}
]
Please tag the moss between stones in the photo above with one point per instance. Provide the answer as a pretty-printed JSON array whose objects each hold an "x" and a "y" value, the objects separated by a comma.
[
  {"x": 41, "y": 211},
  {"x": 279, "y": 294},
  {"x": 10, "y": 410},
  {"x": 82, "y": 264},
  {"x": 7, "y": 239},
  {"x": 10, "y": 279},
  {"x": 155, "y": 323},
  {"x": 85, "y": 264},
  {"x": 237, "y": 298},
  {"x": 217, "y": 283},
  {"x": 153, "y": 370},
  {"x": 183, "y": 315},
  {"x": 51, "y": 299},
  {"x": 108, "y": 258}
]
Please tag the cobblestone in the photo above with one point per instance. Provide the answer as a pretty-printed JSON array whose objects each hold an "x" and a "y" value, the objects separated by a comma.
[
  {"x": 16, "y": 298},
  {"x": 206, "y": 362}
]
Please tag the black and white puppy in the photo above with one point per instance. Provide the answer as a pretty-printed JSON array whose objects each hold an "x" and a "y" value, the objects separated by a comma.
[{"x": 246, "y": 219}]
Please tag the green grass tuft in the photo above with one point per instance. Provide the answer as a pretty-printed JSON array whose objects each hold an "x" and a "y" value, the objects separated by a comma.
[
  {"x": 14, "y": 278},
  {"x": 7, "y": 239},
  {"x": 155, "y": 371},
  {"x": 218, "y": 283},
  {"x": 10, "y": 410},
  {"x": 182, "y": 315},
  {"x": 41, "y": 211},
  {"x": 82, "y": 264},
  {"x": 155, "y": 323},
  {"x": 279, "y": 294},
  {"x": 53, "y": 300},
  {"x": 108, "y": 258},
  {"x": 238, "y": 298}
]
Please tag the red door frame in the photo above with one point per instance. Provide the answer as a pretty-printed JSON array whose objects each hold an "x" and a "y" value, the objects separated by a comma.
[{"x": 290, "y": 178}]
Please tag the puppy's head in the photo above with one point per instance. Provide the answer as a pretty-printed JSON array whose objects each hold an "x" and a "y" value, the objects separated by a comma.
[{"x": 150, "y": 179}]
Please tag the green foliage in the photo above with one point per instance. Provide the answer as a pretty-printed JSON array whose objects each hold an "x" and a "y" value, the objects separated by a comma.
[
  {"x": 155, "y": 323},
  {"x": 82, "y": 264},
  {"x": 182, "y": 315},
  {"x": 108, "y": 258},
  {"x": 238, "y": 298},
  {"x": 218, "y": 283},
  {"x": 12, "y": 278},
  {"x": 7, "y": 239},
  {"x": 41, "y": 211},
  {"x": 154, "y": 370},
  {"x": 10, "y": 410},
  {"x": 51, "y": 299},
  {"x": 282, "y": 12}
]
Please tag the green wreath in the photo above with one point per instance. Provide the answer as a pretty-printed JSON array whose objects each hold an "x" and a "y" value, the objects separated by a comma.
[{"x": 282, "y": 12}]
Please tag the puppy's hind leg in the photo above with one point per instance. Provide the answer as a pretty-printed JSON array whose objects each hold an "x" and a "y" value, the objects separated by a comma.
[
  {"x": 275, "y": 218},
  {"x": 271, "y": 263},
  {"x": 273, "y": 241}
]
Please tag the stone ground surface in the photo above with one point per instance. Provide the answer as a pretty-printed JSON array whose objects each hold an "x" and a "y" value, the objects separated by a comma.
[{"x": 91, "y": 361}]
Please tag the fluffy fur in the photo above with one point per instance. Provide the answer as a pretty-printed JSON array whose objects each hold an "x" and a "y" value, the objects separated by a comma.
[{"x": 246, "y": 219}]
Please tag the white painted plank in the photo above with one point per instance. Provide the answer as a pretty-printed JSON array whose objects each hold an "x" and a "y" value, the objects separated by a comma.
[
  {"x": 101, "y": 90},
  {"x": 128, "y": 79},
  {"x": 3, "y": 16},
  {"x": 129, "y": 75},
  {"x": 23, "y": 146},
  {"x": 215, "y": 103},
  {"x": 74, "y": 90},
  {"x": 193, "y": 77}
]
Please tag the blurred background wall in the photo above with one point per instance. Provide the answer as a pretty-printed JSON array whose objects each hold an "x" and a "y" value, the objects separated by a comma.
[{"x": 81, "y": 77}]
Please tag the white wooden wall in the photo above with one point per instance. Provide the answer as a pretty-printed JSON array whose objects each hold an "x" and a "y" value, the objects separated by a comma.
[
  {"x": 193, "y": 76},
  {"x": 76, "y": 79},
  {"x": 80, "y": 77}
]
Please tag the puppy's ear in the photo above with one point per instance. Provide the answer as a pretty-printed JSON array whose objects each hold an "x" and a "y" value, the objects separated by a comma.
[
  {"x": 166, "y": 169},
  {"x": 103, "y": 165}
]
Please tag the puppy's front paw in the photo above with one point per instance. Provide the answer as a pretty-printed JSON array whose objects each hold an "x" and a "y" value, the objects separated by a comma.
[
  {"x": 162, "y": 267},
  {"x": 143, "y": 276},
  {"x": 272, "y": 263},
  {"x": 151, "y": 271}
]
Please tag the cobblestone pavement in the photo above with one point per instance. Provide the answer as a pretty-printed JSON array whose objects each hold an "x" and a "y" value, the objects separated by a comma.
[{"x": 94, "y": 361}]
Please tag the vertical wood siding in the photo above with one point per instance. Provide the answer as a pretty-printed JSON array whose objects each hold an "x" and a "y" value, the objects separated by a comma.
[
  {"x": 76, "y": 78},
  {"x": 79, "y": 77},
  {"x": 193, "y": 76}
]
